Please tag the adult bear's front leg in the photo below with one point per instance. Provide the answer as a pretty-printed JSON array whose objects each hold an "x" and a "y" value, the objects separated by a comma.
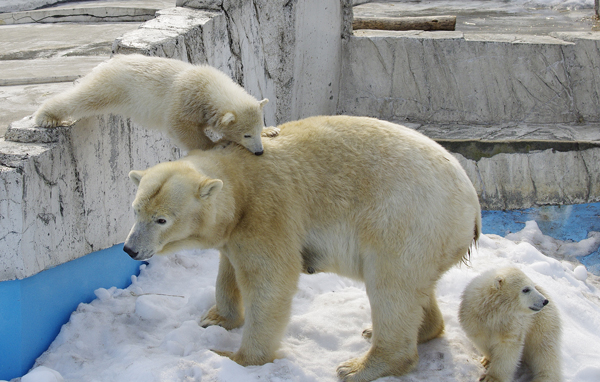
[
  {"x": 228, "y": 311},
  {"x": 268, "y": 286}
]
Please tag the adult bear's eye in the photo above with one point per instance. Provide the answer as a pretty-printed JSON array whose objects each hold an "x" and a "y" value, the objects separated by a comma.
[
  {"x": 526, "y": 290},
  {"x": 247, "y": 136},
  {"x": 161, "y": 221}
]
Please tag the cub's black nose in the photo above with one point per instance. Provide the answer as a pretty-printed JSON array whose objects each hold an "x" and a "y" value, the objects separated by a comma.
[
  {"x": 130, "y": 252},
  {"x": 258, "y": 153},
  {"x": 545, "y": 302}
]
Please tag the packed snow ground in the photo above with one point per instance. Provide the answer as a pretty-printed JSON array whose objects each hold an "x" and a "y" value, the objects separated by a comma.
[{"x": 149, "y": 331}]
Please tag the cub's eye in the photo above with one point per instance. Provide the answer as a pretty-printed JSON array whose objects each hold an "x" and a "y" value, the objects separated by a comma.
[
  {"x": 247, "y": 136},
  {"x": 526, "y": 290},
  {"x": 161, "y": 221}
]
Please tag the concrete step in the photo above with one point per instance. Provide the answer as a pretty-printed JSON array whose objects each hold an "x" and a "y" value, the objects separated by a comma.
[
  {"x": 13, "y": 154},
  {"x": 89, "y": 11},
  {"x": 484, "y": 141},
  {"x": 50, "y": 70}
]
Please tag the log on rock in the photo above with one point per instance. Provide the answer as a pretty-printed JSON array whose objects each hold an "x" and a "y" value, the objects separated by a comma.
[{"x": 423, "y": 23}]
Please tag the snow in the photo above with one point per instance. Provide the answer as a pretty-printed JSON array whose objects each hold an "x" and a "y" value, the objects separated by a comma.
[{"x": 149, "y": 331}]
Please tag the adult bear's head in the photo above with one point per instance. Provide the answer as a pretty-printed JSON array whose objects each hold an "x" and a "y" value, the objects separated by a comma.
[{"x": 175, "y": 208}]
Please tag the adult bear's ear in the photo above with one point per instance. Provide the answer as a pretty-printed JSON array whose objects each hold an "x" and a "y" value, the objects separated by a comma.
[
  {"x": 498, "y": 282},
  {"x": 227, "y": 118},
  {"x": 263, "y": 103},
  {"x": 136, "y": 176},
  {"x": 209, "y": 188}
]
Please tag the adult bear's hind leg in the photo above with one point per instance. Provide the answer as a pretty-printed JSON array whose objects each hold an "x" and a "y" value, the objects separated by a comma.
[
  {"x": 431, "y": 327},
  {"x": 397, "y": 314}
]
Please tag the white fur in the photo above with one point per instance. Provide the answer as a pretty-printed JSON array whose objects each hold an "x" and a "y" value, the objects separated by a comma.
[
  {"x": 505, "y": 315},
  {"x": 165, "y": 94},
  {"x": 360, "y": 197}
]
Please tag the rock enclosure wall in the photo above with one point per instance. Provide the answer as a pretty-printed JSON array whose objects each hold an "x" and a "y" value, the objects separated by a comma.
[
  {"x": 447, "y": 77},
  {"x": 65, "y": 192}
]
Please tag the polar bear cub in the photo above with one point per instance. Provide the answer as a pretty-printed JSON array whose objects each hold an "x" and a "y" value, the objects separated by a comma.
[
  {"x": 509, "y": 319},
  {"x": 199, "y": 106}
]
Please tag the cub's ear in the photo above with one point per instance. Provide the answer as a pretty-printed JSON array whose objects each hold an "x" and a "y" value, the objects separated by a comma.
[
  {"x": 498, "y": 282},
  {"x": 227, "y": 118},
  {"x": 136, "y": 176},
  {"x": 208, "y": 188},
  {"x": 263, "y": 103}
]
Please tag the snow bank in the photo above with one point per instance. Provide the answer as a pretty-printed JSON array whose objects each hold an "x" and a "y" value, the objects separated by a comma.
[{"x": 149, "y": 331}]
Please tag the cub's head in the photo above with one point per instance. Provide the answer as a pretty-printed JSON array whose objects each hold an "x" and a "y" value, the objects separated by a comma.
[
  {"x": 244, "y": 126},
  {"x": 514, "y": 286},
  {"x": 174, "y": 209}
]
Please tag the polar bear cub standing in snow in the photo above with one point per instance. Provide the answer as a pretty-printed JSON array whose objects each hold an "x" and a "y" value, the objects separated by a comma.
[
  {"x": 509, "y": 319},
  {"x": 165, "y": 94}
]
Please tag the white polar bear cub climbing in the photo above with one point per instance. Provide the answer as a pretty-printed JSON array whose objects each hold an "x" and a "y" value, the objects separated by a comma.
[
  {"x": 510, "y": 319},
  {"x": 165, "y": 94}
]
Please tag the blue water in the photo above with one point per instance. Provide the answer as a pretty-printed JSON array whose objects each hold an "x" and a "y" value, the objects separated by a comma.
[{"x": 572, "y": 222}]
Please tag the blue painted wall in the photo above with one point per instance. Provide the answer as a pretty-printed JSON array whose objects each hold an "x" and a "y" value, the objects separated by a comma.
[{"x": 33, "y": 310}]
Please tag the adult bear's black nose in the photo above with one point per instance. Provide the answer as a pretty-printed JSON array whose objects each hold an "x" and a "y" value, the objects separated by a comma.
[
  {"x": 130, "y": 252},
  {"x": 258, "y": 153}
]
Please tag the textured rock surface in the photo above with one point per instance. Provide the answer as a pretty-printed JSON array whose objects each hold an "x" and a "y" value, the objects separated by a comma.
[
  {"x": 521, "y": 180},
  {"x": 67, "y": 190},
  {"x": 446, "y": 77},
  {"x": 61, "y": 200}
]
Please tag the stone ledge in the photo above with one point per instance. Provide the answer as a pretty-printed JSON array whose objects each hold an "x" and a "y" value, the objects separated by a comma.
[
  {"x": 483, "y": 141},
  {"x": 443, "y": 77},
  {"x": 25, "y": 131},
  {"x": 181, "y": 33},
  {"x": 544, "y": 177},
  {"x": 90, "y": 13},
  {"x": 14, "y": 155}
]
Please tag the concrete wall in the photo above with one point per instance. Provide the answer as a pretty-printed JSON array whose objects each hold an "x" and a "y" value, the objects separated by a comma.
[
  {"x": 67, "y": 190},
  {"x": 70, "y": 197},
  {"x": 447, "y": 77}
]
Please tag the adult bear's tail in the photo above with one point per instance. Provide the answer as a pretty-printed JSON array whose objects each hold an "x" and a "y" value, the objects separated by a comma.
[{"x": 476, "y": 234}]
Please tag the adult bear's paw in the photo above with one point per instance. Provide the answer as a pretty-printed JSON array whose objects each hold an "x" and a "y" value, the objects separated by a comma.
[
  {"x": 212, "y": 317},
  {"x": 353, "y": 371}
]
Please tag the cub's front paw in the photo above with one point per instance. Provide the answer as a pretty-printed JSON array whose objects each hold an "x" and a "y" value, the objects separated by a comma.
[
  {"x": 270, "y": 132},
  {"x": 44, "y": 119},
  {"x": 212, "y": 317}
]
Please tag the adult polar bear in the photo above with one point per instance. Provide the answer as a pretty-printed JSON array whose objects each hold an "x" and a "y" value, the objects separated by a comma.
[
  {"x": 181, "y": 99},
  {"x": 360, "y": 197}
]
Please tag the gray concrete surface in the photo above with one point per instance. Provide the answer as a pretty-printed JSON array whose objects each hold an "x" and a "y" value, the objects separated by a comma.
[
  {"x": 491, "y": 16},
  {"x": 39, "y": 60}
]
